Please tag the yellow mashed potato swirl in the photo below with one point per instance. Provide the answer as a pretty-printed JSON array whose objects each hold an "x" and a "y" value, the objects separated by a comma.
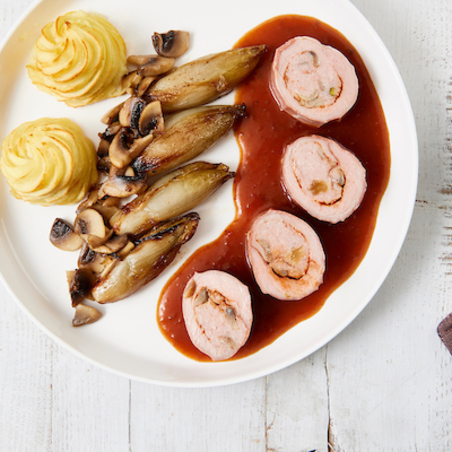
[
  {"x": 49, "y": 161},
  {"x": 80, "y": 59}
]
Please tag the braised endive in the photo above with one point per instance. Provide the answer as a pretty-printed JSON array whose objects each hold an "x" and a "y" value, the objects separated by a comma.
[
  {"x": 203, "y": 80},
  {"x": 172, "y": 195},
  {"x": 187, "y": 135},
  {"x": 151, "y": 255}
]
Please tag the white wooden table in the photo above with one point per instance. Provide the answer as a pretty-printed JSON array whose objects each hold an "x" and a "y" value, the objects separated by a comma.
[{"x": 384, "y": 384}]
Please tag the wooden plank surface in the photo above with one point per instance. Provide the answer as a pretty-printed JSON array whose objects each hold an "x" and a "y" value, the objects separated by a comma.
[{"x": 384, "y": 384}]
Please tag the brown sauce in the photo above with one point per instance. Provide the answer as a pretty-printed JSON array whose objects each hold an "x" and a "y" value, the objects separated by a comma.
[{"x": 262, "y": 137}]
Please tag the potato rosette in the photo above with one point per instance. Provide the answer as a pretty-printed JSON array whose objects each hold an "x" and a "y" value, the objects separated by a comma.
[
  {"x": 80, "y": 58},
  {"x": 48, "y": 162}
]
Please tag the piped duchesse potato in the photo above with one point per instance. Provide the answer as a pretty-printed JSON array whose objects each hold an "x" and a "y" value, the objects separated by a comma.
[
  {"x": 80, "y": 58},
  {"x": 323, "y": 177},
  {"x": 286, "y": 255},
  {"x": 313, "y": 82},
  {"x": 217, "y": 312},
  {"x": 49, "y": 161}
]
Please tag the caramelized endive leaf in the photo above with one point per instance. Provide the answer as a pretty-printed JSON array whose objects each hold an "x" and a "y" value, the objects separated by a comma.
[
  {"x": 172, "y": 195},
  {"x": 187, "y": 135},
  {"x": 206, "y": 79},
  {"x": 151, "y": 255}
]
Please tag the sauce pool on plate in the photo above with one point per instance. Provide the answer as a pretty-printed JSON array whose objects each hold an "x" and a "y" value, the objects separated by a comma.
[{"x": 262, "y": 137}]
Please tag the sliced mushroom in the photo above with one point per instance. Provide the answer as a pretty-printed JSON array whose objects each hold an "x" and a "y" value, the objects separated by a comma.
[
  {"x": 102, "y": 149},
  {"x": 100, "y": 264},
  {"x": 105, "y": 210},
  {"x": 202, "y": 297},
  {"x": 106, "y": 206},
  {"x": 112, "y": 115},
  {"x": 172, "y": 44},
  {"x": 110, "y": 202},
  {"x": 151, "y": 118},
  {"x": 62, "y": 235},
  {"x": 113, "y": 245},
  {"x": 139, "y": 60},
  {"x": 131, "y": 81},
  {"x": 124, "y": 147},
  {"x": 157, "y": 65},
  {"x": 144, "y": 85},
  {"x": 94, "y": 241},
  {"x": 69, "y": 275},
  {"x": 122, "y": 186},
  {"x": 122, "y": 254},
  {"x": 90, "y": 222},
  {"x": 90, "y": 260},
  {"x": 129, "y": 172},
  {"x": 111, "y": 130},
  {"x": 130, "y": 112},
  {"x": 190, "y": 288},
  {"x": 104, "y": 164},
  {"x": 114, "y": 171},
  {"x": 85, "y": 314},
  {"x": 80, "y": 285},
  {"x": 89, "y": 201},
  {"x": 109, "y": 263}
]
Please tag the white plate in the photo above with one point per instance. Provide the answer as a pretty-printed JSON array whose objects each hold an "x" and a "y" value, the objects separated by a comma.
[{"x": 127, "y": 339}]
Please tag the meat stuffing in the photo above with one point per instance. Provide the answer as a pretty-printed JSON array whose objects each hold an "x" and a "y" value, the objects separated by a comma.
[
  {"x": 217, "y": 313},
  {"x": 286, "y": 255},
  {"x": 313, "y": 82},
  {"x": 323, "y": 178}
]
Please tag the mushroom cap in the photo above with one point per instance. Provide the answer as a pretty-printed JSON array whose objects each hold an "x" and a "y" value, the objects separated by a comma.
[
  {"x": 62, "y": 236},
  {"x": 85, "y": 314},
  {"x": 157, "y": 65},
  {"x": 90, "y": 222},
  {"x": 124, "y": 147},
  {"x": 122, "y": 186},
  {"x": 130, "y": 112},
  {"x": 112, "y": 115},
  {"x": 113, "y": 245},
  {"x": 172, "y": 44},
  {"x": 151, "y": 118},
  {"x": 80, "y": 285}
]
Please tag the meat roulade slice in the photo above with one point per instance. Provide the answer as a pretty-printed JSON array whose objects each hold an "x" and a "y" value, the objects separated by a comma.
[
  {"x": 313, "y": 82},
  {"x": 286, "y": 255},
  {"x": 217, "y": 312},
  {"x": 323, "y": 178}
]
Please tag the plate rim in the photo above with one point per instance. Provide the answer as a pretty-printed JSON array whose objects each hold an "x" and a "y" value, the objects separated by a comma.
[{"x": 403, "y": 231}]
